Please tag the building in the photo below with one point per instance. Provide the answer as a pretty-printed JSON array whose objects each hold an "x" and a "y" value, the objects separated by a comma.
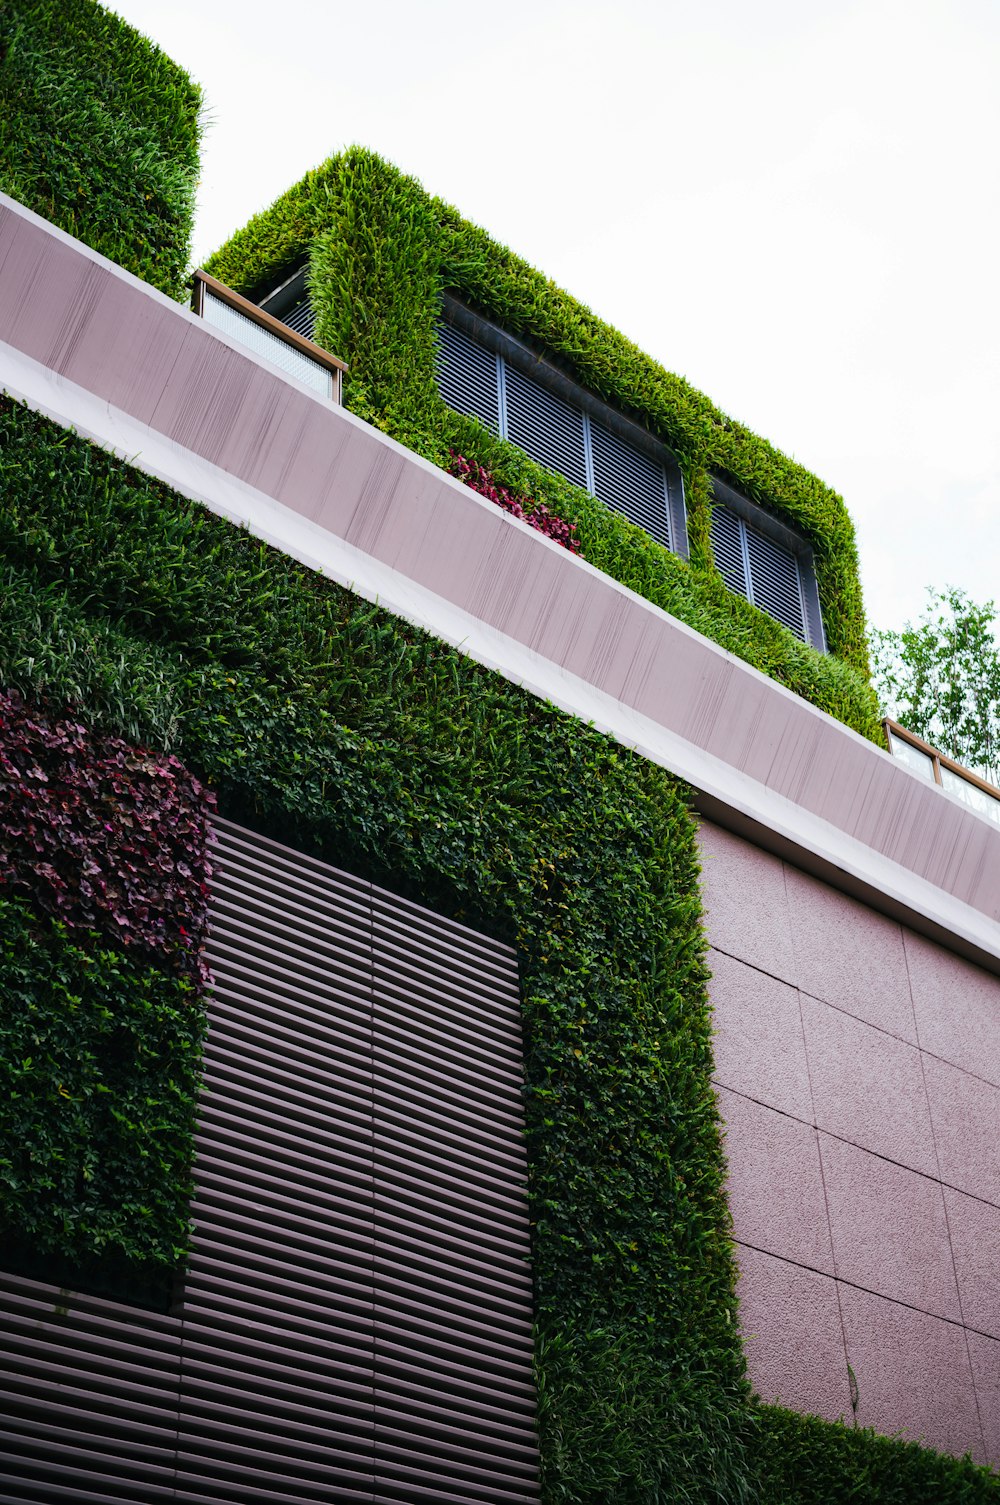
[{"x": 455, "y": 763}]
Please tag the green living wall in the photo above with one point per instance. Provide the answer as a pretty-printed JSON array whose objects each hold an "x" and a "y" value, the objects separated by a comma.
[
  {"x": 99, "y": 133},
  {"x": 381, "y": 252},
  {"x": 323, "y": 719}
]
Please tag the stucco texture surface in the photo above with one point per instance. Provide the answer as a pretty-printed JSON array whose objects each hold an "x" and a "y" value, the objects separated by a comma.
[{"x": 858, "y": 1074}]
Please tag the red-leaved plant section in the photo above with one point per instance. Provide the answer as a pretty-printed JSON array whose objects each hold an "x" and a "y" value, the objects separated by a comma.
[
  {"x": 480, "y": 479},
  {"x": 104, "y": 835}
]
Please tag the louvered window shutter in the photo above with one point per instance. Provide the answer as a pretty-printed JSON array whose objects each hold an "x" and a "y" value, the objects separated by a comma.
[
  {"x": 544, "y": 426},
  {"x": 630, "y": 482},
  {"x": 301, "y": 318},
  {"x": 468, "y": 376},
  {"x": 565, "y": 435},
  {"x": 760, "y": 569},
  {"x": 774, "y": 581},
  {"x": 727, "y": 546}
]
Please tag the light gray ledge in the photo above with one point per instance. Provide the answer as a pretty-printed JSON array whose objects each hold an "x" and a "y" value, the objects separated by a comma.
[{"x": 100, "y": 352}]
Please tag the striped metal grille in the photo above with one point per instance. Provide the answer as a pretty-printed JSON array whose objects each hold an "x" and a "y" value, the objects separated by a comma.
[
  {"x": 545, "y": 427},
  {"x": 557, "y": 434},
  {"x": 355, "y": 1325},
  {"x": 452, "y": 1284},
  {"x": 727, "y": 547},
  {"x": 630, "y": 482},
  {"x": 301, "y": 318},
  {"x": 759, "y": 568},
  {"x": 468, "y": 376},
  {"x": 88, "y": 1398},
  {"x": 774, "y": 579}
]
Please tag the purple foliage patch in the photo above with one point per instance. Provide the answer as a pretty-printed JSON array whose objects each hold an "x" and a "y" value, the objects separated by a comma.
[
  {"x": 535, "y": 515},
  {"x": 105, "y": 835}
]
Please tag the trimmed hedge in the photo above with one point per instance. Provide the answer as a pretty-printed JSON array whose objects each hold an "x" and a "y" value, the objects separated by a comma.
[
  {"x": 103, "y": 909},
  {"x": 381, "y": 251},
  {"x": 99, "y": 133},
  {"x": 325, "y": 721},
  {"x": 801, "y": 1460},
  {"x": 99, "y": 1069}
]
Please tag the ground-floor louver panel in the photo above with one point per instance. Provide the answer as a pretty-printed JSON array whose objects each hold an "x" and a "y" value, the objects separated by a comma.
[{"x": 356, "y": 1322}]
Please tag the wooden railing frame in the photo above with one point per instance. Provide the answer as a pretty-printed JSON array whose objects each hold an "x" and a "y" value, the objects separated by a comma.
[
  {"x": 939, "y": 759},
  {"x": 203, "y": 283}
]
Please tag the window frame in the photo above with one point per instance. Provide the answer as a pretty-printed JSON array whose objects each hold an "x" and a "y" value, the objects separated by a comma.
[
  {"x": 758, "y": 520},
  {"x": 542, "y": 370}
]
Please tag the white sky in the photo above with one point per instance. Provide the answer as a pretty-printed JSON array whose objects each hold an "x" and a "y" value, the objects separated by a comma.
[{"x": 796, "y": 206}]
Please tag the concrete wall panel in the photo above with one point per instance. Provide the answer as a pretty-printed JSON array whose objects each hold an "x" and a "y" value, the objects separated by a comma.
[
  {"x": 955, "y": 1004},
  {"x": 975, "y": 1241},
  {"x": 985, "y": 1356},
  {"x": 759, "y": 1047},
  {"x": 745, "y": 902},
  {"x": 889, "y": 1229},
  {"x": 913, "y": 1373},
  {"x": 966, "y": 1116},
  {"x": 793, "y": 1336},
  {"x": 885, "y": 1046},
  {"x": 866, "y": 978},
  {"x": 867, "y": 1086},
  {"x": 776, "y": 1183}
]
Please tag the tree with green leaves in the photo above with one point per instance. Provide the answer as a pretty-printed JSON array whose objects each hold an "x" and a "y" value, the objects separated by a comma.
[{"x": 940, "y": 678}]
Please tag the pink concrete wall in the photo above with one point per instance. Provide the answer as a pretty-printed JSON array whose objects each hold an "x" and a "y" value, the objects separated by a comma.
[{"x": 858, "y": 1073}]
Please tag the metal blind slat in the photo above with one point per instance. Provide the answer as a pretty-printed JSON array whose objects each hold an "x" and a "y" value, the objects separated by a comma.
[
  {"x": 727, "y": 547},
  {"x": 302, "y": 318},
  {"x": 544, "y": 426},
  {"x": 630, "y": 482},
  {"x": 467, "y": 376},
  {"x": 774, "y": 580}
]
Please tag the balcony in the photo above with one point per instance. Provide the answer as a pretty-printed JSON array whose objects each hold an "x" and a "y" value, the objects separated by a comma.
[{"x": 937, "y": 768}]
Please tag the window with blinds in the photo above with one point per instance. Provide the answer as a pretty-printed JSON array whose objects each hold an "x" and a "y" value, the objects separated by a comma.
[
  {"x": 290, "y": 302},
  {"x": 761, "y": 559},
  {"x": 485, "y": 374}
]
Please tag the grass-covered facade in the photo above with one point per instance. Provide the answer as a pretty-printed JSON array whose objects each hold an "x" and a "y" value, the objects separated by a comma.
[
  {"x": 381, "y": 254},
  {"x": 151, "y": 652},
  {"x": 99, "y": 133}
]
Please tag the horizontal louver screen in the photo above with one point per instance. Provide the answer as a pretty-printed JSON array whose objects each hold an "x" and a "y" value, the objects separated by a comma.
[
  {"x": 630, "y": 482},
  {"x": 774, "y": 579},
  {"x": 89, "y": 1397},
  {"x": 467, "y": 376},
  {"x": 757, "y": 567},
  {"x": 727, "y": 547},
  {"x": 452, "y": 1283},
  {"x": 557, "y": 433},
  {"x": 544, "y": 426},
  {"x": 302, "y": 318},
  {"x": 356, "y": 1322},
  {"x": 279, "y": 1328}
]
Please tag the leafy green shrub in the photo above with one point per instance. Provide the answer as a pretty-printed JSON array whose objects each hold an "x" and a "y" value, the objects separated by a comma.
[
  {"x": 802, "y": 1460},
  {"x": 99, "y": 133},
  {"x": 99, "y": 1065}
]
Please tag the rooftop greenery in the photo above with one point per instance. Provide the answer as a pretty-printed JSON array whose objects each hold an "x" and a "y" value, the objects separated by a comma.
[
  {"x": 99, "y": 133},
  {"x": 381, "y": 251}
]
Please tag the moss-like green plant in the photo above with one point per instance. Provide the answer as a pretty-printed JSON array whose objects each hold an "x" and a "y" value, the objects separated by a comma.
[
  {"x": 99, "y": 132},
  {"x": 99, "y": 1068},
  {"x": 324, "y": 720},
  {"x": 381, "y": 252}
]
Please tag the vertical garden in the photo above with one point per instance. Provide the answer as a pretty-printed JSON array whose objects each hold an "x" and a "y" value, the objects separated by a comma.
[{"x": 157, "y": 663}]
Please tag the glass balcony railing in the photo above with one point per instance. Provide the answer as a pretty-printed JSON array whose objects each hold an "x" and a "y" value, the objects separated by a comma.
[
  {"x": 937, "y": 768},
  {"x": 293, "y": 353}
]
